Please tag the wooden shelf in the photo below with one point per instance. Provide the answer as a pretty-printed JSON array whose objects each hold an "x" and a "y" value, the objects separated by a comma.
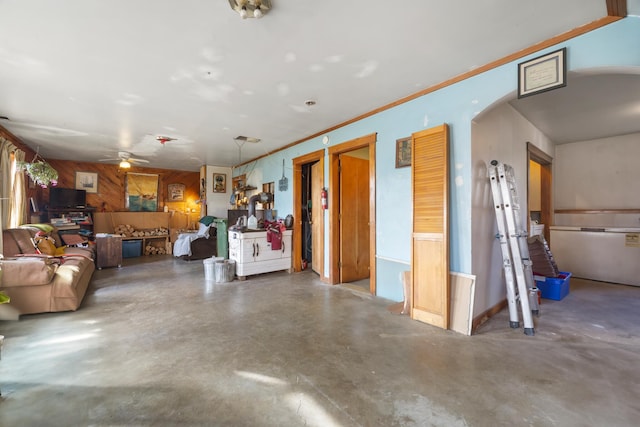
[
  {"x": 146, "y": 240},
  {"x": 82, "y": 222}
]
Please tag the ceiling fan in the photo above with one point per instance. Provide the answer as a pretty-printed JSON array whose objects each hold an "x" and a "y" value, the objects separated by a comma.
[{"x": 125, "y": 160}]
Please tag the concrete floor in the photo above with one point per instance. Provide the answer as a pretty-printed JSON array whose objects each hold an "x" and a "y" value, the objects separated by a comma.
[{"x": 154, "y": 344}]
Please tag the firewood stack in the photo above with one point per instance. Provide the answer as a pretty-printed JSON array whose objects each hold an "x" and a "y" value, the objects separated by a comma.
[
  {"x": 124, "y": 230},
  {"x": 127, "y": 230},
  {"x": 154, "y": 250}
]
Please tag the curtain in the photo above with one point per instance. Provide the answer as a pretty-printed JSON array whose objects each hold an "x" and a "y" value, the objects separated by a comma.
[
  {"x": 18, "y": 202},
  {"x": 6, "y": 149}
]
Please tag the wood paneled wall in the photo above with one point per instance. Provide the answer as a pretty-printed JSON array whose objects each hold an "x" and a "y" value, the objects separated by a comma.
[
  {"x": 111, "y": 184},
  {"x": 111, "y": 181}
]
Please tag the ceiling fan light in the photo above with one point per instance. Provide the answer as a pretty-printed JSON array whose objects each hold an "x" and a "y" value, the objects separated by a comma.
[
  {"x": 250, "y": 8},
  {"x": 125, "y": 165}
]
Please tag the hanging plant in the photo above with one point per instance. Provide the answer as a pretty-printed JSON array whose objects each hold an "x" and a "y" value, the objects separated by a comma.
[
  {"x": 41, "y": 172},
  {"x": 4, "y": 298}
]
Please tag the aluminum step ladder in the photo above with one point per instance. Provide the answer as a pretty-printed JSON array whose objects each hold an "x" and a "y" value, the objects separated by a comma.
[{"x": 517, "y": 265}]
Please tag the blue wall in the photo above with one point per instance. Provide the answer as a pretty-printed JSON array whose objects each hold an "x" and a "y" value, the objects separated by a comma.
[{"x": 615, "y": 45}]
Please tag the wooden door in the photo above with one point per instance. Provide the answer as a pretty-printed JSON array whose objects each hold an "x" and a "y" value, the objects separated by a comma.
[
  {"x": 317, "y": 214},
  {"x": 430, "y": 293},
  {"x": 545, "y": 161},
  {"x": 354, "y": 218}
]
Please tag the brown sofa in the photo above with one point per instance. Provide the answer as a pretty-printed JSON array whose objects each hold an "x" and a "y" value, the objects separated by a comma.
[{"x": 41, "y": 284}]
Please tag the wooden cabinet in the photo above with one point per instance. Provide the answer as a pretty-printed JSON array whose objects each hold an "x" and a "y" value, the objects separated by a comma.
[
  {"x": 105, "y": 222},
  {"x": 253, "y": 253},
  {"x": 108, "y": 251}
]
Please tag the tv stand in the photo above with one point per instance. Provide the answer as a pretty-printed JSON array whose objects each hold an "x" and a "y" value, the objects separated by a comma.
[{"x": 82, "y": 218}]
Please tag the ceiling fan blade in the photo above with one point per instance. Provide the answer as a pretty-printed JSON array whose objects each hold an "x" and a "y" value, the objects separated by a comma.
[{"x": 134, "y": 160}]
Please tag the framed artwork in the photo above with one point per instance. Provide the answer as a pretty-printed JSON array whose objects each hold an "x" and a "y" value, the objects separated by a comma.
[
  {"x": 175, "y": 192},
  {"x": 219, "y": 183},
  {"x": 403, "y": 152},
  {"x": 87, "y": 181},
  {"x": 141, "y": 192},
  {"x": 542, "y": 74}
]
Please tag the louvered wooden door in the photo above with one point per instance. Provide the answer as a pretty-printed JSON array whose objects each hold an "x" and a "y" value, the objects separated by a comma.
[{"x": 430, "y": 238}]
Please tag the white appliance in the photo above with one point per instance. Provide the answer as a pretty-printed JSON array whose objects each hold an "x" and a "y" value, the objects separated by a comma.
[
  {"x": 606, "y": 254},
  {"x": 253, "y": 253}
]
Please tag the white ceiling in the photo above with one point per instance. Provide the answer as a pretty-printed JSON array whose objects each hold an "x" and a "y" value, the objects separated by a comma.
[
  {"x": 591, "y": 106},
  {"x": 84, "y": 79}
]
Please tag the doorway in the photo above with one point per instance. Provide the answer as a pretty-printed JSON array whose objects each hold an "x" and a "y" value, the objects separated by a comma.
[
  {"x": 352, "y": 212},
  {"x": 354, "y": 220},
  {"x": 312, "y": 217},
  {"x": 539, "y": 189},
  {"x": 308, "y": 224}
]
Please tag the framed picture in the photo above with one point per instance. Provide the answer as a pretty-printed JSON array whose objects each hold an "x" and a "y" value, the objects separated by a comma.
[
  {"x": 141, "y": 192},
  {"x": 87, "y": 181},
  {"x": 175, "y": 192},
  {"x": 403, "y": 152},
  {"x": 219, "y": 183},
  {"x": 542, "y": 74}
]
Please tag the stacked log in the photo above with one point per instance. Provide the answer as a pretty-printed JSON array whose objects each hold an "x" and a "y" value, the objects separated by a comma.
[
  {"x": 124, "y": 230},
  {"x": 154, "y": 250},
  {"x": 127, "y": 230}
]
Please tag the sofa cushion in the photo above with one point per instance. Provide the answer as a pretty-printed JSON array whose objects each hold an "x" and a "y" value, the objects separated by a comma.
[
  {"x": 22, "y": 238},
  {"x": 27, "y": 271},
  {"x": 68, "y": 276},
  {"x": 9, "y": 244},
  {"x": 87, "y": 252}
]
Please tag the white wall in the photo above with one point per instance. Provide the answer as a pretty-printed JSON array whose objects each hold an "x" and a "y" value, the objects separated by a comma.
[
  {"x": 471, "y": 245},
  {"x": 598, "y": 174},
  {"x": 498, "y": 134},
  {"x": 217, "y": 203}
]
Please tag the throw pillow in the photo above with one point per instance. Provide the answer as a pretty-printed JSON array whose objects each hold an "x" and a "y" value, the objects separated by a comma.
[{"x": 72, "y": 239}]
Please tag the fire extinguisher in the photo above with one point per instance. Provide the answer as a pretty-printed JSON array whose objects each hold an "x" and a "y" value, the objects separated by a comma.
[{"x": 323, "y": 198}]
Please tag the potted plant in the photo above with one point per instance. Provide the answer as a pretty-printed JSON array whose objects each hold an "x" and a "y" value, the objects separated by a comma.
[{"x": 41, "y": 172}]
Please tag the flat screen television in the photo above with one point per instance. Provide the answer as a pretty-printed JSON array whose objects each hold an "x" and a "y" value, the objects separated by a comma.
[{"x": 64, "y": 198}]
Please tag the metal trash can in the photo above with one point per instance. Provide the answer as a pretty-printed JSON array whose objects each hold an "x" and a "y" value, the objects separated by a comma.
[
  {"x": 225, "y": 270},
  {"x": 209, "y": 267}
]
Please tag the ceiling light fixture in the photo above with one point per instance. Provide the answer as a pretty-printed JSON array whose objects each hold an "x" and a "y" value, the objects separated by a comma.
[
  {"x": 251, "y": 8},
  {"x": 125, "y": 165}
]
